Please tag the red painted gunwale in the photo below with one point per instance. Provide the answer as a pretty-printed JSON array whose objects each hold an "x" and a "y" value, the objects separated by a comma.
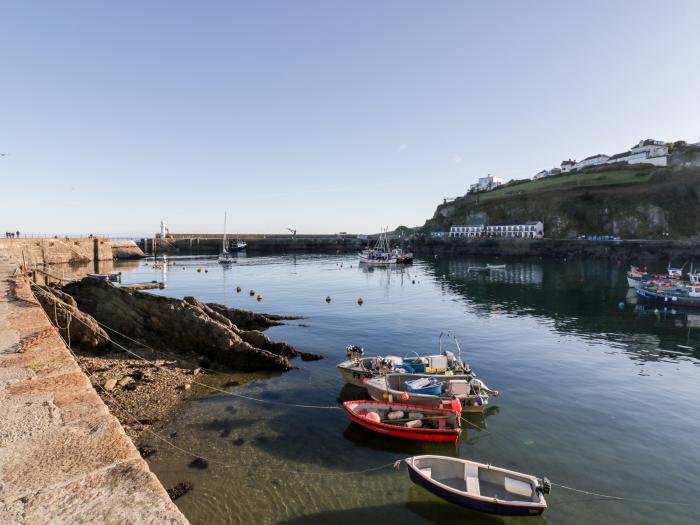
[{"x": 420, "y": 434}]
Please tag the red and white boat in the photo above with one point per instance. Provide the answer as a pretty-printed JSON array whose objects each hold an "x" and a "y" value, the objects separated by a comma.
[{"x": 406, "y": 421}]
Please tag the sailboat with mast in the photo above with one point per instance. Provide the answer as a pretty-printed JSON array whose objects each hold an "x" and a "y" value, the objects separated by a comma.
[{"x": 225, "y": 257}]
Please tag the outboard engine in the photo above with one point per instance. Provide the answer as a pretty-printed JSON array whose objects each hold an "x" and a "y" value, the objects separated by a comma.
[
  {"x": 354, "y": 352},
  {"x": 544, "y": 485},
  {"x": 387, "y": 365}
]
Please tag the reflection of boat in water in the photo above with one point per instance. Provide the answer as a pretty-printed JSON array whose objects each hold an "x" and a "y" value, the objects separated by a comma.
[{"x": 479, "y": 486}]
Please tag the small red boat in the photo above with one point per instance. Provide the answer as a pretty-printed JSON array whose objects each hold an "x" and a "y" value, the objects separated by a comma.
[{"x": 405, "y": 420}]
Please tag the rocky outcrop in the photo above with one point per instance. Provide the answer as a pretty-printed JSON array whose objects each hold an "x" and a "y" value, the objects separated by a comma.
[
  {"x": 180, "y": 325},
  {"x": 74, "y": 326},
  {"x": 250, "y": 320}
]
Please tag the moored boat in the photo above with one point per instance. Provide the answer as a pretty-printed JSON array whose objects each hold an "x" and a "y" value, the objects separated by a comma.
[
  {"x": 225, "y": 257},
  {"x": 479, "y": 486},
  {"x": 472, "y": 393},
  {"x": 495, "y": 266},
  {"x": 112, "y": 277},
  {"x": 685, "y": 296},
  {"x": 357, "y": 368},
  {"x": 406, "y": 421}
]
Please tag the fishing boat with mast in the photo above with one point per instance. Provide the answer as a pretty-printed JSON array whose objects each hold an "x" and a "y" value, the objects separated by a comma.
[
  {"x": 226, "y": 257},
  {"x": 381, "y": 254},
  {"x": 358, "y": 368}
]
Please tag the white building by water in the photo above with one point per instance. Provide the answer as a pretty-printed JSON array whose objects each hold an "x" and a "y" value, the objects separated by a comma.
[
  {"x": 529, "y": 230},
  {"x": 647, "y": 151}
]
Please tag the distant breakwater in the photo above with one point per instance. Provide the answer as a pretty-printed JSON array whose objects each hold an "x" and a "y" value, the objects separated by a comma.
[
  {"x": 282, "y": 243},
  {"x": 631, "y": 250}
]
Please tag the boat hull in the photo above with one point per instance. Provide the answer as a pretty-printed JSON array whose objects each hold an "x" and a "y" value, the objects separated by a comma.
[
  {"x": 354, "y": 376},
  {"x": 492, "y": 507},
  {"x": 380, "y": 392},
  {"x": 416, "y": 434},
  {"x": 651, "y": 296}
]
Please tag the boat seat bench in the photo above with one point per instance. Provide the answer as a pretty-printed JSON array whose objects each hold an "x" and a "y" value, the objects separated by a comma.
[{"x": 471, "y": 477}]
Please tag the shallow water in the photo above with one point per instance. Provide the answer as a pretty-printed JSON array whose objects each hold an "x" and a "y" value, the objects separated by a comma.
[{"x": 593, "y": 395}]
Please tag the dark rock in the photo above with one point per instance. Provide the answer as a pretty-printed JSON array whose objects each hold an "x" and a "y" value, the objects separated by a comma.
[
  {"x": 309, "y": 356},
  {"x": 180, "y": 325},
  {"x": 179, "y": 490},
  {"x": 199, "y": 463},
  {"x": 146, "y": 451}
]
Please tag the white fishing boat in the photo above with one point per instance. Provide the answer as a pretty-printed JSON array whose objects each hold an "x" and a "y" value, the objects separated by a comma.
[
  {"x": 480, "y": 486},
  {"x": 431, "y": 391},
  {"x": 496, "y": 266},
  {"x": 225, "y": 257},
  {"x": 358, "y": 368}
]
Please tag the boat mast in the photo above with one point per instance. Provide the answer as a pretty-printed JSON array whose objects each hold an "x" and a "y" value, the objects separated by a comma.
[{"x": 223, "y": 241}]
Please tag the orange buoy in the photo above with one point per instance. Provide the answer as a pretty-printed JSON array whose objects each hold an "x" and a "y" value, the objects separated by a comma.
[
  {"x": 360, "y": 301},
  {"x": 238, "y": 289},
  {"x": 259, "y": 298}
]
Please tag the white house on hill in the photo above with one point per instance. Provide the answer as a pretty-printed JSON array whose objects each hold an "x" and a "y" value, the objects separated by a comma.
[
  {"x": 529, "y": 230},
  {"x": 593, "y": 160},
  {"x": 486, "y": 183},
  {"x": 567, "y": 165},
  {"x": 647, "y": 151}
]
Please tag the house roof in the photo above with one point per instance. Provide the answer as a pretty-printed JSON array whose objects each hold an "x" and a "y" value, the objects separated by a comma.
[
  {"x": 568, "y": 162},
  {"x": 621, "y": 155},
  {"x": 595, "y": 156}
]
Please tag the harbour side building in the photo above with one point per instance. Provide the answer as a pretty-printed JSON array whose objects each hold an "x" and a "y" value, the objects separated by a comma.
[{"x": 528, "y": 230}]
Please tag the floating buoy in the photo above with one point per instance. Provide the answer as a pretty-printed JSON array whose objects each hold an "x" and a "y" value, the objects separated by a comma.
[
  {"x": 413, "y": 281},
  {"x": 328, "y": 298},
  {"x": 199, "y": 270},
  {"x": 360, "y": 301},
  {"x": 252, "y": 292},
  {"x": 206, "y": 271},
  {"x": 183, "y": 268},
  {"x": 621, "y": 305},
  {"x": 238, "y": 289},
  {"x": 259, "y": 298}
]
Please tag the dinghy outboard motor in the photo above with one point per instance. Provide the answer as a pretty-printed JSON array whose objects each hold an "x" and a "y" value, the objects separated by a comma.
[
  {"x": 354, "y": 352},
  {"x": 544, "y": 485}
]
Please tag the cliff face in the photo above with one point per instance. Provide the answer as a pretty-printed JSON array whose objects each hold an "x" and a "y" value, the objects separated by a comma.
[{"x": 666, "y": 204}]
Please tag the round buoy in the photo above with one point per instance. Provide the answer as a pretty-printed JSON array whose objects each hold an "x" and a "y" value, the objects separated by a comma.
[
  {"x": 252, "y": 292},
  {"x": 360, "y": 301},
  {"x": 404, "y": 396},
  {"x": 328, "y": 298},
  {"x": 183, "y": 268},
  {"x": 206, "y": 271},
  {"x": 413, "y": 281},
  {"x": 199, "y": 270},
  {"x": 238, "y": 289},
  {"x": 373, "y": 416},
  {"x": 385, "y": 395},
  {"x": 621, "y": 305},
  {"x": 259, "y": 298},
  {"x": 656, "y": 311}
]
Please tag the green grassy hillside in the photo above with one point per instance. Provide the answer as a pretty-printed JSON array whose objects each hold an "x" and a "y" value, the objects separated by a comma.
[{"x": 633, "y": 202}]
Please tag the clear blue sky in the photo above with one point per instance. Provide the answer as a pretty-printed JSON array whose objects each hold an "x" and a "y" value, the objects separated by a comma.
[{"x": 324, "y": 115}]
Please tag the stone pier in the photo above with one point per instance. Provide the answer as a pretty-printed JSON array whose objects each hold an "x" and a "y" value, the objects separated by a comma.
[{"x": 63, "y": 457}]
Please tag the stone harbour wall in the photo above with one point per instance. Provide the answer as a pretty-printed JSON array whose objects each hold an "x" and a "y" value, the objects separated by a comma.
[
  {"x": 63, "y": 457},
  {"x": 61, "y": 251}
]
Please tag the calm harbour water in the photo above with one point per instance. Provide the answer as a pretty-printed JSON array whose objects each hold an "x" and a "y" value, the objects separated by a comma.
[{"x": 593, "y": 396}]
